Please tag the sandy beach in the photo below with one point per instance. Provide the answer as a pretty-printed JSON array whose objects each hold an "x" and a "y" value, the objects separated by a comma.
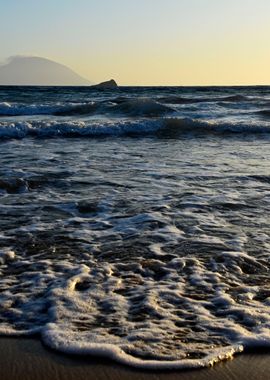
[{"x": 28, "y": 359}]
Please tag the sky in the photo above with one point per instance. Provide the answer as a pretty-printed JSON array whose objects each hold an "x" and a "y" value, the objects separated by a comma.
[{"x": 144, "y": 42}]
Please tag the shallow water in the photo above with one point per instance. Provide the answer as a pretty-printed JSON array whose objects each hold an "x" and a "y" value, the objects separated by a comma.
[{"x": 139, "y": 230}]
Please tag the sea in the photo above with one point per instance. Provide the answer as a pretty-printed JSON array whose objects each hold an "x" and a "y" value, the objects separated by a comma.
[{"x": 134, "y": 222}]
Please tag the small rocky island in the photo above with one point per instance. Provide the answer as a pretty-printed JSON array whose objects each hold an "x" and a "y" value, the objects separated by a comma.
[{"x": 110, "y": 84}]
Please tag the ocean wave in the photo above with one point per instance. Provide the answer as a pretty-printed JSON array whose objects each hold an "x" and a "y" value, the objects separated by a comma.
[
  {"x": 164, "y": 127},
  {"x": 235, "y": 98},
  {"x": 130, "y": 107},
  {"x": 124, "y": 106},
  {"x": 18, "y": 109},
  {"x": 76, "y": 129},
  {"x": 265, "y": 113},
  {"x": 180, "y": 125},
  {"x": 186, "y": 100},
  {"x": 141, "y": 107},
  {"x": 120, "y": 106},
  {"x": 78, "y": 109}
]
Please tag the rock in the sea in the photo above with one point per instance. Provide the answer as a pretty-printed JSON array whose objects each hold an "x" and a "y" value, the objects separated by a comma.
[{"x": 108, "y": 84}]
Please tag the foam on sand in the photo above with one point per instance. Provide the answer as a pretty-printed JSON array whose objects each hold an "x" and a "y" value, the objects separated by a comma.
[{"x": 55, "y": 339}]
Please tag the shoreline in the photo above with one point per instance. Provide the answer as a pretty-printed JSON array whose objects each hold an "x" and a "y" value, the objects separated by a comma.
[{"x": 29, "y": 359}]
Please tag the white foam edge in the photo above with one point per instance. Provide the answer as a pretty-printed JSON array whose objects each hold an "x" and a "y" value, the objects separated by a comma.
[{"x": 115, "y": 353}]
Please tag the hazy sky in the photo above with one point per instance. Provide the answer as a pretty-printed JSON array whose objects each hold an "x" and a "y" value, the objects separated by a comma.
[{"x": 151, "y": 42}]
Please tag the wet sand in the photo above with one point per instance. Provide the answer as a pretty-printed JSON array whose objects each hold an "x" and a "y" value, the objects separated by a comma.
[{"x": 28, "y": 359}]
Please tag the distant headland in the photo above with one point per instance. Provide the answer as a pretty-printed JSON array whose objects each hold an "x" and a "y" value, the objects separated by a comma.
[{"x": 24, "y": 70}]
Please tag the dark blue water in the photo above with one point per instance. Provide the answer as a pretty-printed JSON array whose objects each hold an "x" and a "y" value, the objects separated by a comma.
[{"x": 134, "y": 222}]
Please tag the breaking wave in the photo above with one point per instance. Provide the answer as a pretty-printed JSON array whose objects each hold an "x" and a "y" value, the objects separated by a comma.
[
  {"x": 129, "y": 107},
  {"x": 167, "y": 127}
]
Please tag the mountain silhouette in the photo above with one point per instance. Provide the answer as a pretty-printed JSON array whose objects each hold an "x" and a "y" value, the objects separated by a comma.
[{"x": 22, "y": 70}]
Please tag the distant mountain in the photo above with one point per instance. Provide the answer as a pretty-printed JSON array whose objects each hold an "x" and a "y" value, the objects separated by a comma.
[{"x": 22, "y": 70}]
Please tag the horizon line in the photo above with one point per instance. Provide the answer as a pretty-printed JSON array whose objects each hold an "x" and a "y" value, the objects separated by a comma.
[{"x": 140, "y": 85}]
